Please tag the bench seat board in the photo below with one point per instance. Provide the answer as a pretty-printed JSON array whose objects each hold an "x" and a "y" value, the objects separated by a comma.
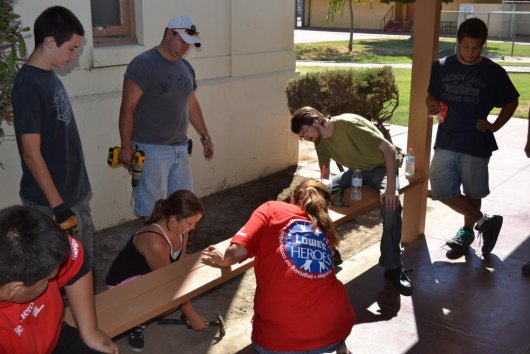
[
  {"x": 123, "y": 307},
  {"x": 369, "y": 201}
]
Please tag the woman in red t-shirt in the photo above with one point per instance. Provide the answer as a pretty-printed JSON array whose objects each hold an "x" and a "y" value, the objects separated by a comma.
[{"x": 299, "y": 304}]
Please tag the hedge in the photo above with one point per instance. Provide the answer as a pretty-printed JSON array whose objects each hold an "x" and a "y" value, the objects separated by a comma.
[{"x": 371, "y": 93}]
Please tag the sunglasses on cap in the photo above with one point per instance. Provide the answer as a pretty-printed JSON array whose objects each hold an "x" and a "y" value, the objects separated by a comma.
[{"x": 189, "y": 31}]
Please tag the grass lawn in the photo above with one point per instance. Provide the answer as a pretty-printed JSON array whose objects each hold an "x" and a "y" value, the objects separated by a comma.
[
  {"x": 392, "y": 50},
  {"x": 520, "y": 80},
  {"x": 403, "y": 79}
]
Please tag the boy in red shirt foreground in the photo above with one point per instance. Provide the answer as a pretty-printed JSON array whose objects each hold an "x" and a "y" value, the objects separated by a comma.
[{"x": 37, "y": 259}]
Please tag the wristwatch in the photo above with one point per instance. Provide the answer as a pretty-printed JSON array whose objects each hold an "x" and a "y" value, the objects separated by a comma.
[{"x": 205, "y": 138}]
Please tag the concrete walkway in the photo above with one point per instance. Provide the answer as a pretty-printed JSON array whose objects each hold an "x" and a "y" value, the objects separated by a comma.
[
  {"x": 315, "y": 36},
  {"x": 508, "y": 68},
  {"x": 469, "y": 305}
]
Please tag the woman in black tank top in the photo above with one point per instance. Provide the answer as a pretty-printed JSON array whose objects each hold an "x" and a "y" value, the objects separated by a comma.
[{"x": 160, "y": 242}]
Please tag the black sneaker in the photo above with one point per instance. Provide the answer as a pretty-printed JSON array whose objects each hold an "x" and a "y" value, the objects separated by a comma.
[
  {"x": 489, "y": 230},
  {"x": 136, "y": 339},
  {"x": 337, "y": 259},
  {"x": 401, "y": 280},
  {"x": 525, "y": 269},
  {"x": 463, "y": 238}
]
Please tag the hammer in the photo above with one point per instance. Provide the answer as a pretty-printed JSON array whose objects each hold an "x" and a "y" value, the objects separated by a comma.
[{"x": 184, "y": 321}]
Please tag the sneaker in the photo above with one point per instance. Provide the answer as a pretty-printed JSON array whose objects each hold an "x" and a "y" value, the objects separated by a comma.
[
  {"x": 489, "y": 230},
  {"x": 337, "y": 258},
  {"x": 460, "y": 243},
  {"x": 136, "y": 339},
  {"x": 525, "y": 269},
  {"x": 401, "y": 280}
]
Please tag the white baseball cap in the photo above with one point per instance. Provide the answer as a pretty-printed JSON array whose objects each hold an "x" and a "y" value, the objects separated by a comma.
[{"x": 184, "y": 26}]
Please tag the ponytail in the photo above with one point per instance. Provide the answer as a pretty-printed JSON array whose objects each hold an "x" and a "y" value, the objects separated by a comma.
[
  {"x": 181, "y": 204},
  {"x": 314, "y": 197},
  {"x": 157, "y": 213}
]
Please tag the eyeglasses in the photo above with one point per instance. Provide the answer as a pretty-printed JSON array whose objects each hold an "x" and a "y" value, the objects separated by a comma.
[
  {"x": 189, "y": 31},
  {"x": 303, "y": 132}
]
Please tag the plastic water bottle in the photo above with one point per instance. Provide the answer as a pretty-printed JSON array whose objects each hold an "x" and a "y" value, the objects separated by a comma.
[
  {"x": 356, "y": 185},
  {"x": 410, "y": 160}
]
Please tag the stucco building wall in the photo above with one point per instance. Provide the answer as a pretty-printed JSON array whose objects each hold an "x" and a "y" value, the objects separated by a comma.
[
  {"x": 368, "y": 15},
  {"x": 365, "y": 15}
]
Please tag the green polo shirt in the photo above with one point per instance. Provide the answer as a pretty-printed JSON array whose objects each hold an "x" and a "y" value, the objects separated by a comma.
[{"x": 354, "y": 144}]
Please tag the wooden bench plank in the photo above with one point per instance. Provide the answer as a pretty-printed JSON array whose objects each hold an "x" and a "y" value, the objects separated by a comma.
[
  {"x": 370, "y": 199},
  {"x": 141, "y": 285},
  {"x": 123, "y": 307},
  {"x": 342, "y": 214},
  {"x": 162, "y": 299}
]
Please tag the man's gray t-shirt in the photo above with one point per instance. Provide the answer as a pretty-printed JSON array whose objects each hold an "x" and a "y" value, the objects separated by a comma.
[{"x": 161, "y": 116}]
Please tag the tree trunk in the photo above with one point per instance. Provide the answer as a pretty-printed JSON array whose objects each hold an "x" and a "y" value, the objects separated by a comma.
[{"x": 350, "y": 43}]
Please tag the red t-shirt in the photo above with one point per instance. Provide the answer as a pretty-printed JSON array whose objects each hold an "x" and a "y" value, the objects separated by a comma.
[
  {"x": 34, "y": 327},
  {"x": 299, "y": 304}
]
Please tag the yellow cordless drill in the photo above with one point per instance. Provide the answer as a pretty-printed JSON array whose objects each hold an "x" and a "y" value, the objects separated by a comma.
[{"x": 137, "y": 163}]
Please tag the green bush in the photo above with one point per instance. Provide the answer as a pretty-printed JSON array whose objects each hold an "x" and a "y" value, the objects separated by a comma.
[
  {"x": 371, "y": 93},
  {"x": 12, "y": 54}
]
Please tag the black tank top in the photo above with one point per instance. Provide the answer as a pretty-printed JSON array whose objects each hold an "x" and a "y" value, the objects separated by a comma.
[{"x": 130, "y": 262}]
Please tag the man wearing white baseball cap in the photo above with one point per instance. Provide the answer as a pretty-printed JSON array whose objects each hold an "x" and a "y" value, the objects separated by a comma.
[
  {"x": 184, "y": 26},
  {"x": 158, "y": 103}
]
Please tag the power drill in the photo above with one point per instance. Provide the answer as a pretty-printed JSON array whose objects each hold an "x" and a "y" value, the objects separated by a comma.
[{"x": 137, "y": 163}]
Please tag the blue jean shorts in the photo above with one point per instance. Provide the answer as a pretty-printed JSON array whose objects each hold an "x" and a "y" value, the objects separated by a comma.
[
  {"x": 453, "y": 172},
  {"x": 325, "y": 350},
  {"x": 166, "y": 169}
]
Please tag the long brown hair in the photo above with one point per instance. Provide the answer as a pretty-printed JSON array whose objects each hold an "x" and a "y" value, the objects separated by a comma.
[
  {"x": 306, "y": 116},
  {"x": 181, "y": 203},
  {"x": 314, "y": 197}
]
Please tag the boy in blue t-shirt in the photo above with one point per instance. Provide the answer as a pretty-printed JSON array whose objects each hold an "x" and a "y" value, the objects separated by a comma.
[
  {"x": 54, "y": 176},
  {"x": 470, "y": 85}
]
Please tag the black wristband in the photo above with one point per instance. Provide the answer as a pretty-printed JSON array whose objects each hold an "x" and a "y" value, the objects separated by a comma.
[{"x": 62, "y": 213}]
